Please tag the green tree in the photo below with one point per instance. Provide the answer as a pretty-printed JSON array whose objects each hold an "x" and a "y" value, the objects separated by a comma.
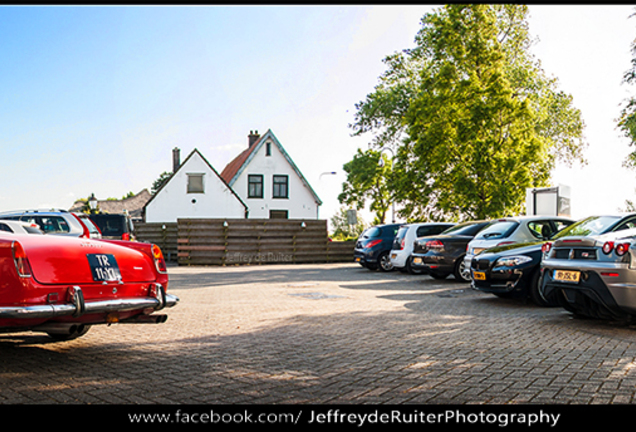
[
  {"x": 475, "y": 119},
  {"x": 627, "y": 119},
  {"x": 156, "y": 185},
  {"x": 367, "y": 181}
]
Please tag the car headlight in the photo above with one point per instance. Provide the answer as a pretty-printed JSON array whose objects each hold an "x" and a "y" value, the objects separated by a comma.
[{"x": 513, "y": 261}]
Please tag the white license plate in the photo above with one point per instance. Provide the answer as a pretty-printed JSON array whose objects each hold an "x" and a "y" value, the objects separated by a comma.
[
  {"x": 567, "y": 276},
  {"x": 477, "y": 275}
]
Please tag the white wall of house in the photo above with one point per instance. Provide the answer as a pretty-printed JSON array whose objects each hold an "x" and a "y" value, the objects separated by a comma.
[
  {"x": 173, "y": 201},
  {"x": 300, "y": 203}
]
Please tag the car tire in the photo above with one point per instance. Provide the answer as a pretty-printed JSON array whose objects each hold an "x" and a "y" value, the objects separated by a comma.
[
  {"x": 534, "y": 290},
  {"x": 461, "y": 273},
  {"x": 384, "y": 262}
]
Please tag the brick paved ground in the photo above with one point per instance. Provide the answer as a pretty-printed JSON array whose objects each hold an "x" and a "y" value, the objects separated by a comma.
[{"x": 328, "y": 334}]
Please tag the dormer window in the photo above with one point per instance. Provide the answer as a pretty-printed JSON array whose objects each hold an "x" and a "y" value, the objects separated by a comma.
[{"x": 195, "y": 183}]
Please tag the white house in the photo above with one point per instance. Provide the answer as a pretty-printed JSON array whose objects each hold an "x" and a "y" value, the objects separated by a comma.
[
  {"x": 195, "y": 190},
  {"x": 269, "y": 182}
]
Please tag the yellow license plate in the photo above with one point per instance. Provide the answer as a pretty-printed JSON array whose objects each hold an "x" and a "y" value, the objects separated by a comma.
[
  {"x": 417, "y": 260},
  {"x": 479, "y": 275},
  {"x": 567, "y": 276}
]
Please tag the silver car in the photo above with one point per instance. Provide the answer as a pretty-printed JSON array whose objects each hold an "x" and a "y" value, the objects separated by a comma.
[
  {"x": 593, "y": 274},
  {"x": 57, "y": 222},
  {"x": 521, "y": 229}
]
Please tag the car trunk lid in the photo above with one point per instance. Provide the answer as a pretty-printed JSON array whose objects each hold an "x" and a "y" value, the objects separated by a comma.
[{"x": 63, "y": 260}]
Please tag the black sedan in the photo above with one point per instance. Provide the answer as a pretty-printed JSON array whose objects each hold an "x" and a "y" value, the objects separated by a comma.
[
  {"x": 514, "y": 270},
  {"x": 443, "y": 254},
  {"x": 509, "y": 271}
]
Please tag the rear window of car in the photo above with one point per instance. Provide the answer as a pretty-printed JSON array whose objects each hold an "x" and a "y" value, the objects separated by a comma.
[
  {"x": 588, "y": 227},
  {"x": 466, "y": 228},
  {"x": 427, "y": 230},
  {"x": 401, "y": 232},
  {"x": 498, "y": 230},
  {"x": 110, "y": 224}
]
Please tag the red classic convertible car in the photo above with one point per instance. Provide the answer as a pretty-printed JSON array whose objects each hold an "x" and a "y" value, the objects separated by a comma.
[{"x": 63, "y": 285}]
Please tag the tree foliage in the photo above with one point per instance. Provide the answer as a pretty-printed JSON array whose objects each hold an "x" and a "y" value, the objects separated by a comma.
[
  {"x": 627, "y": 119},
  {"x": 472, "y": 117},
  {"x": 367, "y": 175}
]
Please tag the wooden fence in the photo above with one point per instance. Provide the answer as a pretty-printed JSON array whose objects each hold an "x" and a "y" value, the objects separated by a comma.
[{"x": 245, "y": 241}]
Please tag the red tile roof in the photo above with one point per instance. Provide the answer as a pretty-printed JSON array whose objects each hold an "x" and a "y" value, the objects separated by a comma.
[{"x": 235, "y": 165}]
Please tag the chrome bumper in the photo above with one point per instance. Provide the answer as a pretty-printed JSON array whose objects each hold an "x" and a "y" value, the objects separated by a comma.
[{"x": 157, "y": 299}]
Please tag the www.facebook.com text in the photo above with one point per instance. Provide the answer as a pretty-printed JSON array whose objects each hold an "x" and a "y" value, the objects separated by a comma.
[{"x": 344, "y": 417}]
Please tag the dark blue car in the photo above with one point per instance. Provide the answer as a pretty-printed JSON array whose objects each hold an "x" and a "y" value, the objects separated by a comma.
[{"x": 374, "y": 245}]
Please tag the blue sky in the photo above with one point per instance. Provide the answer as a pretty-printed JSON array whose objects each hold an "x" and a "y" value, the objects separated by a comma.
[{"x": 94, "y": 98}]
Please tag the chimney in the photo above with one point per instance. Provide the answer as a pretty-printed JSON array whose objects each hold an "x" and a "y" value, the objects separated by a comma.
[
  {"x": 253, "y": 137},
  {"x": 176, "y": 159}
]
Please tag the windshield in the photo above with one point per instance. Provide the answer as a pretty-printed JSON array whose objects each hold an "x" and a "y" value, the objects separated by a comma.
[
  {"x": 588, "y": 227},
  {"x": 498, "y": 230}
]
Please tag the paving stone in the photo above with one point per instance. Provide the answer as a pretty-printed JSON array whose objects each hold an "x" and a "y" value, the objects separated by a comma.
[{"x": 328, "y": 333}]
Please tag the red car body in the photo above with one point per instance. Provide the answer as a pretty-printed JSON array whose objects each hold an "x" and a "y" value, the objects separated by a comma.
[{"x": 62, "y": 285}]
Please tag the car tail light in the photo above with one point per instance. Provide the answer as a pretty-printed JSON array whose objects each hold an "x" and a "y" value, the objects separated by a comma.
[
  {"x": 21, "y": 262},
  {"x": 434, "y": 245},
  {"x": 622, "y": 248},
  {"x": 608, "y": 247},
  {"x": 372, "y": 243},
  {"x": 160, "y": 262},
  {"x": 547, "y": 246}
]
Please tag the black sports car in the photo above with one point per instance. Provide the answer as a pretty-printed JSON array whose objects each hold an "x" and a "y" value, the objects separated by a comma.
[
  {"x": 509, "y": 271},
  {"x": 443, "y": 254}
]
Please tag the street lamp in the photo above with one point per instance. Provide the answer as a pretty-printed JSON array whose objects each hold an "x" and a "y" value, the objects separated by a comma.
[
  {"x": 381, "y": 164},
  {"x": 92, "y": 202}
]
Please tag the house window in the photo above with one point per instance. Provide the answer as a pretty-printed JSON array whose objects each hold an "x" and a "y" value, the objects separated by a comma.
[
  {"x": 268, "y": 149},
  {"x": 280, "y": 186},
  {"x": 255, "y": 186},
  {"x": 195, "y": 183},
  {"x": 278, "y": 214}
]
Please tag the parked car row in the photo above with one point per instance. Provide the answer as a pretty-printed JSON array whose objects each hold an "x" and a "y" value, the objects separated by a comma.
[
  {"x": 588, "y": 267},
  {"x": 60, "y": 274}
]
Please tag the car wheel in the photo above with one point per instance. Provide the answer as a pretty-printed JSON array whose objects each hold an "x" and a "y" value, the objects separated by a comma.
[
  {"x": 384, "y": 262},
  {"x": 462, "y": 271},
  {"x": 82, "y": 330},
  {"x": 534, "y": 289}
]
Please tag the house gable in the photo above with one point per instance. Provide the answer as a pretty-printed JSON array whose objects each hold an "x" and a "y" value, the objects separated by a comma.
[
  {"x": 255, "y": 161},
  {"x": 195, "y": 189}
]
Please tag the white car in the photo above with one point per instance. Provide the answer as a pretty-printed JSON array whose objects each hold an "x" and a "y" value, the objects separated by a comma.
[
  {"x": 17, "y": 227},
  {"x": 521, "y": 229},
  {"x": 407, "y": 234}
]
